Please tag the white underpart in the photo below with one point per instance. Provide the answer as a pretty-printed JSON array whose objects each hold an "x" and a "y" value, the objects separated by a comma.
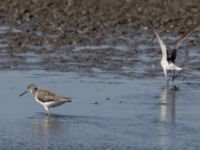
[
  {"x": 46, "y": 105},
  {"x": 164, "y": 63}
]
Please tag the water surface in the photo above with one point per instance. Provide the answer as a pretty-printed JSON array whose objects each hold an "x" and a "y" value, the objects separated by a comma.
[{"x": 107, "y": 112}]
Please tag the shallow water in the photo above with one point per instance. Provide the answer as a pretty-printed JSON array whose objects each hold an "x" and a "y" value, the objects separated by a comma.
[{"x": 107, "y": 112}]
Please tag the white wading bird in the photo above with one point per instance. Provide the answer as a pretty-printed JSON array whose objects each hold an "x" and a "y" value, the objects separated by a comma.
[{"x": 168, "y": 59}]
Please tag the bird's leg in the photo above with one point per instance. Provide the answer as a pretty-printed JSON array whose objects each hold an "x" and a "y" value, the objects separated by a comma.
[
  {"x": 47, "y": 111},
  {"x": 173, "y": 77},
  {"x": 165, "y": 72},
  {"x": 49, "y": 114},
  {"x": 167, "y": 82}
]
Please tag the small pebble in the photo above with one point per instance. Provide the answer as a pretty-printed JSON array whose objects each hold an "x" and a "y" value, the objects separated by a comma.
[
  {"x": 96, "y": 103},
  {"x": 107, "y": 98}
]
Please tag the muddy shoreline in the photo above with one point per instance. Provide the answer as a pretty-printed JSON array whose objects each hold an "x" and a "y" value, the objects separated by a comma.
[{"x": 91, "y": 35}]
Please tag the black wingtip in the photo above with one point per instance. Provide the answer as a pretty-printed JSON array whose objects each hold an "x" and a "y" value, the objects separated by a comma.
[{"x": 69, "y": 99}]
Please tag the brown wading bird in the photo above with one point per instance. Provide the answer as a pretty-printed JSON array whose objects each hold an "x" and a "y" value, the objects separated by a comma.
[
  {"x": 168, "y": 59},
  {"x": 46, "y": 98}
]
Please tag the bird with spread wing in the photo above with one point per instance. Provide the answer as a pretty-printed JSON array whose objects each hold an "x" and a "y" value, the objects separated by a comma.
[{"x": 168, "y": 58}]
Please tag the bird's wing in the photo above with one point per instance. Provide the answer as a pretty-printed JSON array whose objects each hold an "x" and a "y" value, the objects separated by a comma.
[
  {"x": 45, "y": 96},
  {"x": 172, "y": 56},
  {"x": 162, "y": 45},
  {"x": 185, "y": 36}
]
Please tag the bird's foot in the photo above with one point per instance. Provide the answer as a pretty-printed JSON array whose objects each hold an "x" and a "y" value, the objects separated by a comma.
[
  {"x": 167, "y": 82},
  {"x": 174, "y": 77},
  {"x": 175, "y": 87},
  {"x": 48, "y": 114}
]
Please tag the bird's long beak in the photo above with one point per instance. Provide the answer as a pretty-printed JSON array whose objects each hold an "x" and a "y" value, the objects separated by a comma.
[{"x": 23, "y": 93}]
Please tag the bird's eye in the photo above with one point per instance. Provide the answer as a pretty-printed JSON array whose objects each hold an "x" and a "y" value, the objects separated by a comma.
[{"x": 35, "y": 88}]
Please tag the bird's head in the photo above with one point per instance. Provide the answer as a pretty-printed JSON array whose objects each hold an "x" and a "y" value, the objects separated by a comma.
[{"x": 30, "y": 88}]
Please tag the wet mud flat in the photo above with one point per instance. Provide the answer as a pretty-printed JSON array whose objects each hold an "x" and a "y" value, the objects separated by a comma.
[
  {"x": 107, "y": 112},
  {"x": 94, "y": 36}
]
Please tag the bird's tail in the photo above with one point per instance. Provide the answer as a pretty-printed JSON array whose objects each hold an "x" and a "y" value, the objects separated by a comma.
[
  {"x": 172, "y": 66},
  {"x": 67, "y": 99},
  {"x": 177, "y": 68}
]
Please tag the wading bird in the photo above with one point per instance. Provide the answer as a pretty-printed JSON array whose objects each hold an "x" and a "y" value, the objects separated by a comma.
[
  {"x": 168, "y": 59},
  {"x": 46, "y": 98}
]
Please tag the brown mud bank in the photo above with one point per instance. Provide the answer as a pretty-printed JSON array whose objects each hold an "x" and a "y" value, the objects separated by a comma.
[
  {"x": 88, "y": 17},
  {"x": 91, "y": 35}
]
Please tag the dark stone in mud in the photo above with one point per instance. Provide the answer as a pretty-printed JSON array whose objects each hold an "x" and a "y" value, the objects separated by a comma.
[
  {"x": 107, "y": 98},
  {"x": 121, "y": 102},
  {"x": 96, "y": 103}
]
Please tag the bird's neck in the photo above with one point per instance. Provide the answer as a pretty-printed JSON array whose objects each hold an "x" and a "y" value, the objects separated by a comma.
[
  {"x": 33, "y": 92},
  {"x": 164, "y": 62},
  {"x": 164, "y": 56}
]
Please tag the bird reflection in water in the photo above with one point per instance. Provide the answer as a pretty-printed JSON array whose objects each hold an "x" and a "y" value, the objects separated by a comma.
[
  {"x": 168, "y": 104},
  {"x": 49, "y": 129},
  {"x": 167, "y": 128},
  {"x": 55, "y": 124}
]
